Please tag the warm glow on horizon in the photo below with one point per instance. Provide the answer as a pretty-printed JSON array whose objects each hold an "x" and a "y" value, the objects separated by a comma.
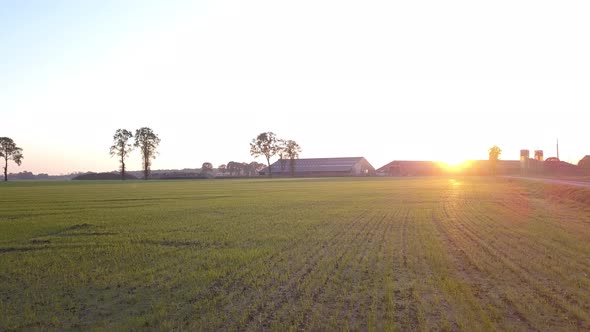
[{"x": 455, "y": 165}]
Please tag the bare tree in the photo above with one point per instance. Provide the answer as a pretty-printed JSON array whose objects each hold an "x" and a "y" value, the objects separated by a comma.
[
  {"x": 122, "y": 147},
  {"x": 148, "y": 142},
  {"x": 9, "y": 151},
  {"x": 267, "y": 145}
]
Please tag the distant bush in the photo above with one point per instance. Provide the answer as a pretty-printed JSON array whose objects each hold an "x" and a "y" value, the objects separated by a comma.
[{"x": 104, "y": 176}]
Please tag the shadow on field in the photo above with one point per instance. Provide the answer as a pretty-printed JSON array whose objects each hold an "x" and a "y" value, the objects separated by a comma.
[
  {"x": 21, "y": 249},
  {"x": 177, "y": 244}
]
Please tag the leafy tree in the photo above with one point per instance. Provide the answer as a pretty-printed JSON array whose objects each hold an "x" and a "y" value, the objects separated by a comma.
[
  {"x": 9, "y": 151},
  {"x": 255, "y": 167},
  {"x": 122, "y": 147},
  {"x": 494, "y": 153},
  {"x": 207, "y": 168},
  {"x": 148, "y": 142},
  {"x": 222, "y": 169},
  {"x": 292, "y": 150},
  {"x": 281, "y": 151},
  {"x": 267, "y": 145},
  {"x": 234, "y": 168}
]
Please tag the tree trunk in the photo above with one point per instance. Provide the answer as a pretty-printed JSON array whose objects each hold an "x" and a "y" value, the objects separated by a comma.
[
  {"x": 123, "y": 167},
  {"x": 6, "y": 169},
  {"x": 269, "y": 169},
  {"x": 146, "y": 166}
]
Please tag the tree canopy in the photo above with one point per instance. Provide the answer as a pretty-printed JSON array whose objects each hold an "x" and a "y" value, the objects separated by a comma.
[
  {"x": 267, "y": 145},
  {"x": 291, "y": 150},
  {"x": 494, "y": 154},
  {"x": 147, "y": 142},
  {"x": 122, "y": 147}
]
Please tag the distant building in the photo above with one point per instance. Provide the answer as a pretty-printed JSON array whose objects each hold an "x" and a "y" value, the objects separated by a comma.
[
  {"x": 410, "y": 168},
  {"x": 584, "y": 163},
  {"x": 484, "y": 167},
  {"x": 353, "y": 166}
]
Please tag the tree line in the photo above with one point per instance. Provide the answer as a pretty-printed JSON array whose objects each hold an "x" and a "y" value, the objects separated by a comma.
[{"x": 266, "y": 144}]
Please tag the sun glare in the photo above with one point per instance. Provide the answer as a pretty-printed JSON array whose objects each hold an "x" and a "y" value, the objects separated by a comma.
[{"x": 455, "y": 165}]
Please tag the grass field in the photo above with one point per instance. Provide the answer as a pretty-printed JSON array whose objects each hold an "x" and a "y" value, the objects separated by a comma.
[{"x": 315, "y": 254}]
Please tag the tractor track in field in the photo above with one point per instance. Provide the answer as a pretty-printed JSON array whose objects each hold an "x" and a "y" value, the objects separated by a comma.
[
  {"x": 539, "y": 247},
  {"x": 321, "y": 291},
  {"x": 529, "y": 277},
  {"x": 319, "y": 251},
  {"x": 380, "y": 265},
  {"x": 233, "y": 285},
  {"x": 406, "y": 303},
  {"x": 360, "y": 274},
  {"x": 289, "y": 290},
  {"x": 534, "y": 275},
  {"x": 467, "y": 268},
  {"x": 526, "y": 276}
]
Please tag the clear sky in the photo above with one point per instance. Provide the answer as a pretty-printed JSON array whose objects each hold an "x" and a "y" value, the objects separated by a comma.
[{"x": 418, "y": 80}]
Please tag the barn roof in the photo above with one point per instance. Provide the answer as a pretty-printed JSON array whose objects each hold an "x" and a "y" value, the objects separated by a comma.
[
  {"x": 408, "y": 163},
  {"x": 316, "y": 165}
]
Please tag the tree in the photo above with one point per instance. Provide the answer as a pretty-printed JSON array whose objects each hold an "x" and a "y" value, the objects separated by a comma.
[
  {"x": 233, "y": 167},
  {"x": 255, "y": 167},
  {"x": 206, "y": 169},
  {"x": 122, "y": 147},
  {"x": 9, "y": 151},
  {"x": 291, "y": 150},
  {"x": 148, "y": 142},
  {"x": 265, "y": 144},
  {"x": 494, "y": 153},
  {"x": 222, "y": 169}
]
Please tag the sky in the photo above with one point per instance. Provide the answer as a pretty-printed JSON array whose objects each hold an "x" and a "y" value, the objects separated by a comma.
[{"x": 387, "y": 80}]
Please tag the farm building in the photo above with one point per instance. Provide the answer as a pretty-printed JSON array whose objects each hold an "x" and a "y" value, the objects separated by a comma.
[
  {"x": 584, "y": 162},
  {"x": 483, "y": 167},
  {"x": 410, "y": 168},
  {"x": 354, "y": 166}
]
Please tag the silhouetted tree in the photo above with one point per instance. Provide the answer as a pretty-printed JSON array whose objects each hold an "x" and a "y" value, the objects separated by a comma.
[
  {"x": 9, "y": 151},
  {"x": 148, "y": 142},
  {"x": 265, "y": 144},
  {"x": 122, "y": 147},
  {"x": 291, "y": 150},
  {"x": 494, "y": 153}
]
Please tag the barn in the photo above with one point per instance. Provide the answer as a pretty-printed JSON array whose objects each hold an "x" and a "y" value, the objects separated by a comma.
[
  {"x": 410, "y": 168},
  {"x": 310, "y": 167}
]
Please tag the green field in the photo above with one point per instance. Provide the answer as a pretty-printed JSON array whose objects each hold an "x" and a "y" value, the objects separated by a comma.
[{"x": 315, "y": 254}]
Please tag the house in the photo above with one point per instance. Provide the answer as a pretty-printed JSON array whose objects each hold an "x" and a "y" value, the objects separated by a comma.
[{"x": 353, "y": 166}]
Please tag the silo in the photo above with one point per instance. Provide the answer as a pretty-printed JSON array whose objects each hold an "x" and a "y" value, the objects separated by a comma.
[
  {"x": 539, "y": 155},
  {"x": 524, "y": 160}
]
